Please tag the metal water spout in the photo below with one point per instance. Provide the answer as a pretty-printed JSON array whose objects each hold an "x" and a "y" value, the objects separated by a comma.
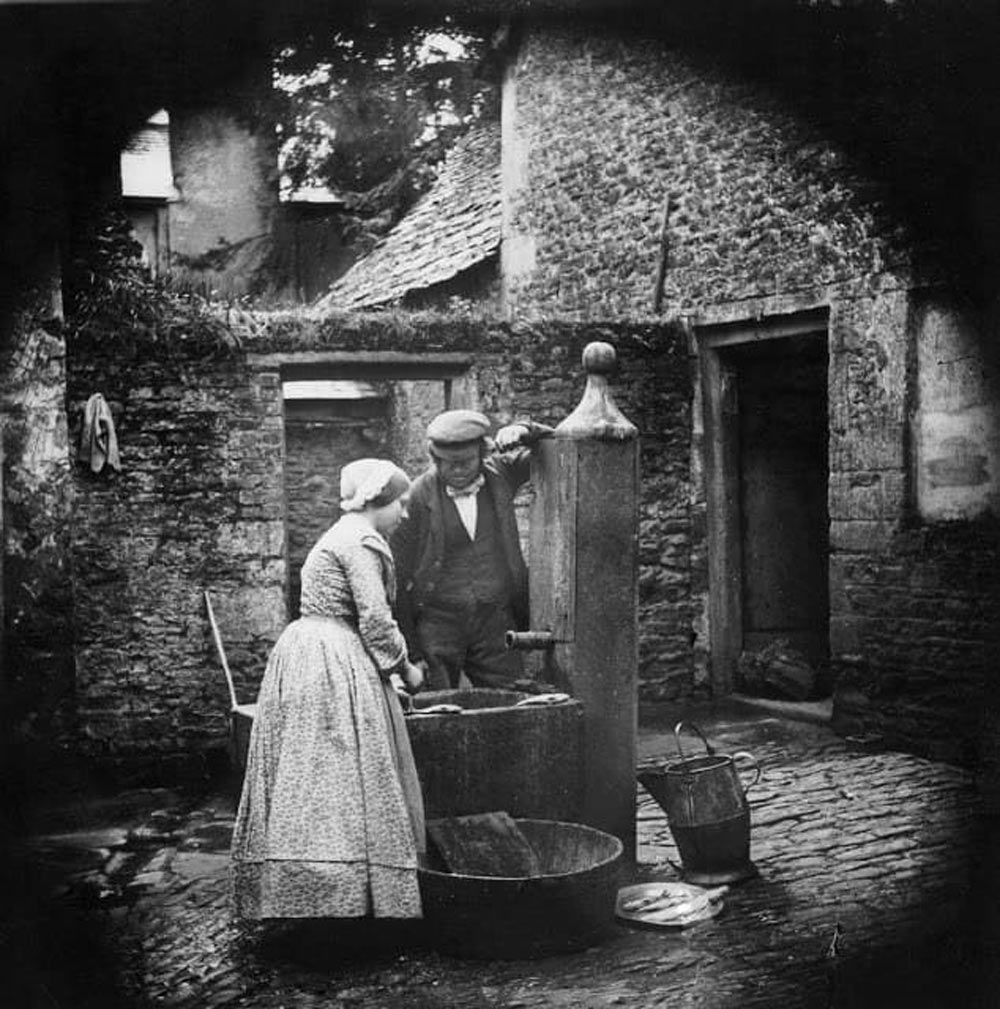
[{"x": 583, "y": 586}]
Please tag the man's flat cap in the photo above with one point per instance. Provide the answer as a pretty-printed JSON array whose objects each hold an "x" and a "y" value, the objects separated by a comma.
[{"x": 456, "y": 426}]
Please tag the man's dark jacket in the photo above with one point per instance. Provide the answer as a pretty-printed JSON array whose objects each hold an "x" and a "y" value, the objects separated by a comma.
[{"x": 418, "y": 544}]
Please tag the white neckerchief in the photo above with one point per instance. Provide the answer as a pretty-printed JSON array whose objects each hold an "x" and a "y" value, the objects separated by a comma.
[{"x": 465, "y": 499}]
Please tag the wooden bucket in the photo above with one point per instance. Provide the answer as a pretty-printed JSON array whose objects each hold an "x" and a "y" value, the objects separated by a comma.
[{"x": 707, "y": 810}]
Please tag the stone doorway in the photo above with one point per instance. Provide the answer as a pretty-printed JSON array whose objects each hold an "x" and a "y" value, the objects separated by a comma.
[
  {"x": 765, "y": 402},
  {"x": 327, "y": 425},
  {"x": 339, "y": 407}
]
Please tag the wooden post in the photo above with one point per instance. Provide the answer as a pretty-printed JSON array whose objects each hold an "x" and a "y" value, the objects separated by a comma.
[
  {"x": 584, "y": 555},
  {"x": 221, "y": 652}
]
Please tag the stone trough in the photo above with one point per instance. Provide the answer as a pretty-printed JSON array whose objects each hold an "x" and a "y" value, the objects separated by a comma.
[
  {"x": 493, "y": 755},
  {"x": 498, "y": 754}
]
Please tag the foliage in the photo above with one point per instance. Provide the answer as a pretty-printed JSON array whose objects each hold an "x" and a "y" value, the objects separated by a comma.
[
  {"x": 109, "y": 290},
  {"x": 369, "y": 112},
  {"x": 106, "y": 275}
]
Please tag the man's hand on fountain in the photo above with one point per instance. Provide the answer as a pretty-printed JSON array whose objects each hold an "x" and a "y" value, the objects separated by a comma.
[{"x": 510, "y": 436}]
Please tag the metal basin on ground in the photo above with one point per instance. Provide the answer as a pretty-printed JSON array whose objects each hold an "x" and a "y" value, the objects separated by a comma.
[
  {"x": 496, "y": 755},
  {"x": 568, "y": 906}
]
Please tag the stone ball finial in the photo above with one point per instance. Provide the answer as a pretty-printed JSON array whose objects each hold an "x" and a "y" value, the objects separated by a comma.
[
  {"x": 596, "y": 415},
  {"x": 599, "y": 358}
]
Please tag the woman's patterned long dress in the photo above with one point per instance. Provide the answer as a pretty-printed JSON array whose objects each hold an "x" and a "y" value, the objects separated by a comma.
[{"x": 331, "y": 818}]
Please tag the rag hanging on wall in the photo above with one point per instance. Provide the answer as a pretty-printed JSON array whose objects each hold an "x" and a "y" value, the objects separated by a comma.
[{"x": 98, "y": 441}]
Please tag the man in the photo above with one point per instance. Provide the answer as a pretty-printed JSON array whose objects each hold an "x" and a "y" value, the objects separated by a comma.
[{"x": 462, "y": 581}]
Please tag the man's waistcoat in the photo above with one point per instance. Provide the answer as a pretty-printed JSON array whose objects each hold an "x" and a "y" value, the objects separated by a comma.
[
  {"x": 473, "y": 570},
  {"x": 420, "y": 543}
]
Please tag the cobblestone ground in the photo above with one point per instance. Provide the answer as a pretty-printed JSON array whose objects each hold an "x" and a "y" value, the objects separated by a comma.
[{"x": 885, "y": 844}]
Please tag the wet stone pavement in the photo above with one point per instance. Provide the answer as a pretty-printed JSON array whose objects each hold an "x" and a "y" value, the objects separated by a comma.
[{"x": 889, "y": 846}]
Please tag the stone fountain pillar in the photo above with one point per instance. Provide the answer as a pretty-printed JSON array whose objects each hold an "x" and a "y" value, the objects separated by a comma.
[{"x": 583, "y": 583}]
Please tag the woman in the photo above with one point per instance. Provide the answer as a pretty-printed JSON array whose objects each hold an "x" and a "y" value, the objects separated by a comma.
[{"x": 331, "y": 819}]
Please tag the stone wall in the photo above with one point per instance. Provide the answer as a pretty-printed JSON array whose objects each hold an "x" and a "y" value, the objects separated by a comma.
[
  {"x": 920, "y": 669},
  {"x": 603, "y": 132},
  {"x": 915, "y": 539},
  {"x": 654, "y": 390},
  {"x": 601, "y": 129},
  {"x": 37, "y": 682},
  {"x": 956, "y": 442},
  {"x": 197, "y": 505},
  {"x": 766, "y": 220},
  {"x": 200, "y": 503}
]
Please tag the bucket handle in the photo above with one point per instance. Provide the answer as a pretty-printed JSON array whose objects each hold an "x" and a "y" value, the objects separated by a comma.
[
  {"x": 756, "y": 767},
  {"x": 742, "y": 755},
  {"x": 697, "y": 731}
]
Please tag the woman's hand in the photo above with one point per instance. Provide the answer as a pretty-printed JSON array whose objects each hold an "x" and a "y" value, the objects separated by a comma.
[
  {"x": 413, "y": 676},
  {"x": 399, "y": 688}
]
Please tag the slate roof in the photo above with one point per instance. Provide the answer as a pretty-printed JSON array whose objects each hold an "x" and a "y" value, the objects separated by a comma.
[{"x": 454, "y": 226}]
